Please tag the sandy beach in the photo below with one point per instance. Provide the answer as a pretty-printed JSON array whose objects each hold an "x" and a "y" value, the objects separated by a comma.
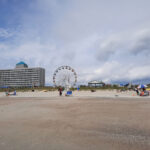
[
  {"x": 45, "y": 121},
  {"x": 98, "y": 93}
]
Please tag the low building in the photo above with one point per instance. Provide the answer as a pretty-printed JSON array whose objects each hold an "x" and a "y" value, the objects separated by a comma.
[
  {"x": 22, "y": 76},
  {"x": 96, "y": 84}
]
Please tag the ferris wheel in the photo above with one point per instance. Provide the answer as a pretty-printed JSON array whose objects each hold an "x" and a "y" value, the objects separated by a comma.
[{"x": 65, "y": 76}]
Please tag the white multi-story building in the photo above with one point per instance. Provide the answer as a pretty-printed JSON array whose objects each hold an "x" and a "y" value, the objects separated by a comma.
[{"x": 22, "y": 76}]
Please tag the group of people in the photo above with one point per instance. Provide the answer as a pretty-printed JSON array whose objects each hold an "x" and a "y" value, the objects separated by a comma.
[
  {"x": 68, "y": 92},
  {"x": 8, "y": 93},
  {"x": 142, "y": 92}
]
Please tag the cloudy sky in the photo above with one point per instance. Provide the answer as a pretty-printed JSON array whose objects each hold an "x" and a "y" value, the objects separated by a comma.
[{"x": 101, "y": 39}]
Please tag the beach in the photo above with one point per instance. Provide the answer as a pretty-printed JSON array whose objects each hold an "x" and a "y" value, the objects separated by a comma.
[
  {"x": 88, "y": 93},
  {"x": 79, "y": 122}
]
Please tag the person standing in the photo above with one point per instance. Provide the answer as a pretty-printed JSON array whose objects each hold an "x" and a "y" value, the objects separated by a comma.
[
  {"x": 137, "y": 91},
  {"x": 60, "y": 91}
]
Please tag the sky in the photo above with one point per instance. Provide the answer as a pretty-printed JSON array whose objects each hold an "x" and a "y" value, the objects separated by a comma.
[{"x": 101, "y": 39}]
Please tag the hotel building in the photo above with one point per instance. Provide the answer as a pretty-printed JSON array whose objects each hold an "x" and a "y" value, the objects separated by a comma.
[{"x": 22, "y": 76}]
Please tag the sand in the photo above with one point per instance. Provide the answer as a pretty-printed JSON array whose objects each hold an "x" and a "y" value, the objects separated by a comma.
[
  {"x": 98, "y": 93},
  {"x": 74, "y": 123}
]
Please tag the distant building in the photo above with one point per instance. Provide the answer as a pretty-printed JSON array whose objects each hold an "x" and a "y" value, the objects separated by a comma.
[
  {"x": 96, "y": 84},
  {"x": 22, "y": 76}
]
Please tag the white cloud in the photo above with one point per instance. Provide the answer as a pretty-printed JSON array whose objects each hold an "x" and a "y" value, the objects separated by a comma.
[{"x": 5, "y": 33}]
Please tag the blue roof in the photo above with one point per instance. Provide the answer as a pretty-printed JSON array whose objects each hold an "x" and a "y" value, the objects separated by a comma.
[{"x": 21, "y": 63}]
